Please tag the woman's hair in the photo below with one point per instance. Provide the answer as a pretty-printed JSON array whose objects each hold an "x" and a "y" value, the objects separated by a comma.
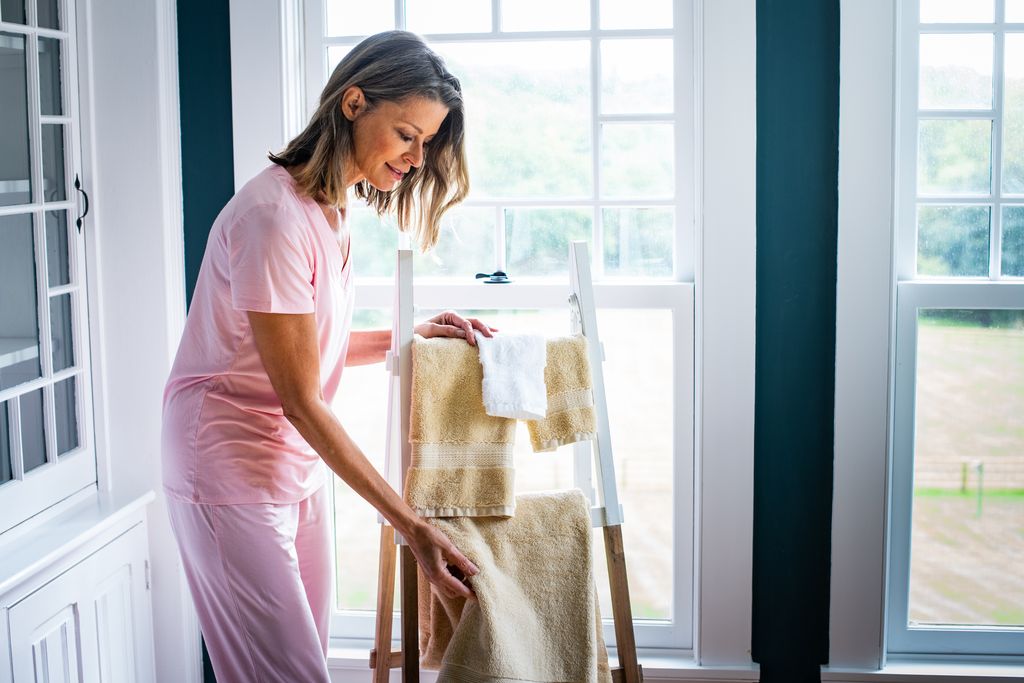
[{"x": 389, "y": 66}]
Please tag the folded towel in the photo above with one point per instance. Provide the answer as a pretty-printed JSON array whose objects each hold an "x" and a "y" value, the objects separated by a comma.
[
  {"x": 570, "y": 417},
  {"x": 536, "y": 617},
  {"x": 461, "y": 457},
  {"x": 513, "y": 383}
]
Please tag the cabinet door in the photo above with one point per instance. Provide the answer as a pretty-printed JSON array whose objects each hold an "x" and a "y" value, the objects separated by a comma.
[{"x": 90, "y": 624}]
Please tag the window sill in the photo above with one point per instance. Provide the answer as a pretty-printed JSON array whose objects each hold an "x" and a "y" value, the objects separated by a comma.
[
  {"x": 920, "y": 671},
  {"x": 349, "y": 661}
]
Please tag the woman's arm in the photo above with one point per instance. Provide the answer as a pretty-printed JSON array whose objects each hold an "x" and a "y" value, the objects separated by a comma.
[
  {"x": 369, "y": 346},
  {"x": 287, "y": 344}
]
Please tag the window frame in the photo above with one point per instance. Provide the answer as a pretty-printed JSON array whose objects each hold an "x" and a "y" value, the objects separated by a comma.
[
  {"x": 73, "y": 473},
  {"x": 722, "y": 230},
  {"x": 878, "y": 294},
  {"x": 674, "y": 295}
]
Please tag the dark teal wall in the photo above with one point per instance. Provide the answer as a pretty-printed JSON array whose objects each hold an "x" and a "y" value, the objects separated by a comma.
[
  {"x": 797, "y": 170},
  {"x": 204, "y": 76},
  {"x": 797, "y": 201},
  {"x": 208, "y": 176}
]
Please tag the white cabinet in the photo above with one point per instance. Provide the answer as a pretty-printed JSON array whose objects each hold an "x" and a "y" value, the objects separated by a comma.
[{"x": 85, "y": 616}]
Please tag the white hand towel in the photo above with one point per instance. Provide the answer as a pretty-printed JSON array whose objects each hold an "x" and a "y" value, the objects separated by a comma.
[{"x": 513, "y": 384}]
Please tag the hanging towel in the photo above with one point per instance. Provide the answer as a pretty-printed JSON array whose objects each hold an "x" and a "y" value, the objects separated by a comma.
[
  {"x": 513, "y": 384},
  {"x": 536, "y": 616},
  {"x": 461, "y": 457},
  {"x": 570, "y": 416}
]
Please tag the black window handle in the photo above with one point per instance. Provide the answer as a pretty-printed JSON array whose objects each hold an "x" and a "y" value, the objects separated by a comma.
[{"x": 78, "y": 186}]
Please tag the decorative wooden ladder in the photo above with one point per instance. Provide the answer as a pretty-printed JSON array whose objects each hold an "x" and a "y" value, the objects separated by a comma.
[{"x": 607, "y": 514}]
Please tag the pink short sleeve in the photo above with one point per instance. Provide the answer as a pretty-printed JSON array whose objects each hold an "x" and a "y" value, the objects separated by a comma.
[{"x": 271, "y": 262}]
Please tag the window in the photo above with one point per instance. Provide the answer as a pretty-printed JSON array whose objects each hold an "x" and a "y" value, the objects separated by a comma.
[
  {"x": 607, "y": 161},
  {"x": 958, "y": 438},
  {"x": 46, "y": 451}
]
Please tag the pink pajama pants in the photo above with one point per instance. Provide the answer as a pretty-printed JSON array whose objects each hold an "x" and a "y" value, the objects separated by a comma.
[{"x": 260, "y": 577}]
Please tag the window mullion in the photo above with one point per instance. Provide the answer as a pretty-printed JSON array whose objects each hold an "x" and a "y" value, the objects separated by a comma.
[
  {"x": 597, "y": 238},
  {"x": 995, "y": 226}
]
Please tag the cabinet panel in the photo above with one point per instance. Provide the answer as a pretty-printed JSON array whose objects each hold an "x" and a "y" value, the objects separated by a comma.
[{"x": 91, "y": 624}]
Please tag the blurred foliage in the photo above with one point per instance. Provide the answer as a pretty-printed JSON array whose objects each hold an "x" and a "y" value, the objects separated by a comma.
[
  {"x": 953, "y": 240},
  {"x": 638, "y": 242},
  {"x": 537, "y": 240},
  {"x": 984, "y": 317},
  {"x": 1013, "y": 241}
]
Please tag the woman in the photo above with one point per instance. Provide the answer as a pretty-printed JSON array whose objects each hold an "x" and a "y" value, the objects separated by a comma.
[{"x": 247, "y": 424}]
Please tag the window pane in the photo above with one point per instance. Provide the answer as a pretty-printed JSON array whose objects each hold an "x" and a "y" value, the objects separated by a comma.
[
  {"x": 638, "y": 242},
  {"x": 941, "y": 11},
  {"x": 361, "y": 406},
  {"x": 537, "y": 240},
  {"x": 33, "y": 434},
  {"x": 954, "y": 157},
  {"x": 514, "y": 151},
  {"x": 374, "y": 241},
  {"x": 359, "y": 17},
  {"x": 64, "y": 406},
  {"x": 19, "y": 309},
  {"x": 953, "y": 240},
  {"x": 542, "y": 15},
  {"x": 47, "y": 13},
  {"x": 60, "y": 330},
  {"x": 639, "y": 394},
  {"x": 636, "y": 76},
  {"x": 636, "y": 14},
  {"x": 1013, "y": 241},
  {"x": 334, "y": 55},
  {"x": 13, "y": 11},
  {"x": 465, "y": 247},
  {"x": 1015, "y": 11},
  {"x": 448, "y": 16},
  {"x": 1013, "y": 115},
  {"x": 57, "y": 248},
  {"x": 6, "y": 473},
  {"x": 15, "y": 178},
  {"x": 53, "y": 164},
  {"x": 956, "y": 71},
  {"x": 49, "y": 77},
  {"x": 636, "y": 160},
  {"x": 968, "y": 509}
]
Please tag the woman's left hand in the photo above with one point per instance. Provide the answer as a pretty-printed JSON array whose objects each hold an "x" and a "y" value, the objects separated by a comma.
[{"x": 451, "y": 324}]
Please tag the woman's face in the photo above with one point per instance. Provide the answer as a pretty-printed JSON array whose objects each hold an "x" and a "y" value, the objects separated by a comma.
[{"x": 391, "y": 137}]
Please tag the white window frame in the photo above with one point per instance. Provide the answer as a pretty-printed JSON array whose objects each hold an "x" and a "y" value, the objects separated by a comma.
[
  {"x": 875, "y": 289},
  {"x": 713, "y": 288},
  {"x": 75, "y": 472}
]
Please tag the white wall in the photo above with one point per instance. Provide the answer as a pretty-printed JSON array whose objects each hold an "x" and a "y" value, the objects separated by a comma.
[{"x": 133, "y": 174}]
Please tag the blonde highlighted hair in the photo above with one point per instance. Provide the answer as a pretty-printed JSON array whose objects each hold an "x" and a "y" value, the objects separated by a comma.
[{"x": 389, "y": 66}]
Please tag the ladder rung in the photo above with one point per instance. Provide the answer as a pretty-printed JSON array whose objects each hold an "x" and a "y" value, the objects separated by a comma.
[
  {"x": 619, "y": 674},
  {"x": 396, "y": 659}
]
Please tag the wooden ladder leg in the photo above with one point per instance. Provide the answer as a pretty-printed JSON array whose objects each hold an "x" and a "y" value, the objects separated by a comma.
[
  {"x": 410, "y": 619},
  {"x": 622, "y": 612},
  {"x": 380, "y": 656}
]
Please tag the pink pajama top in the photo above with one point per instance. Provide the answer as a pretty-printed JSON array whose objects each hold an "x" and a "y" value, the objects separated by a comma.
[{"x": 225, "y": 438}]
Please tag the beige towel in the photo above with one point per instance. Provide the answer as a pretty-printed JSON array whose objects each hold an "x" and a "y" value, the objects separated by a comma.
[
  {"x": 536, "y": 616},
  {"x": 570, "y": 399},
  {"x": 461, "y": 457}
]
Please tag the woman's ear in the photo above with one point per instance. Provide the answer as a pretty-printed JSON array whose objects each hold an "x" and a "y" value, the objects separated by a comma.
[{"x": 353, "y": 102}]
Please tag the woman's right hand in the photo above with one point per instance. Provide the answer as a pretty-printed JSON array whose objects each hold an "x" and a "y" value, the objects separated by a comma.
[{"x": 435, "y": 553}]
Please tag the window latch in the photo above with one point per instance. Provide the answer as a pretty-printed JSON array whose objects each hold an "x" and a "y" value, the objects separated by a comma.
[{"x": 498, "y": 277}]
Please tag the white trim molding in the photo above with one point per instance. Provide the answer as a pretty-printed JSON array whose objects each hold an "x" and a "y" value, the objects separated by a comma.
[
  {"x": 726, "y": 287},
  {"x": 267, "y": 80},
  {"x": 864, "y": 310},
  {"x": 132, "y": 170}
]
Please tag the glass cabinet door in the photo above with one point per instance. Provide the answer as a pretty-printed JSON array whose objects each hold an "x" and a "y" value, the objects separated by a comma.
[{"x": 45, "y": 450}]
